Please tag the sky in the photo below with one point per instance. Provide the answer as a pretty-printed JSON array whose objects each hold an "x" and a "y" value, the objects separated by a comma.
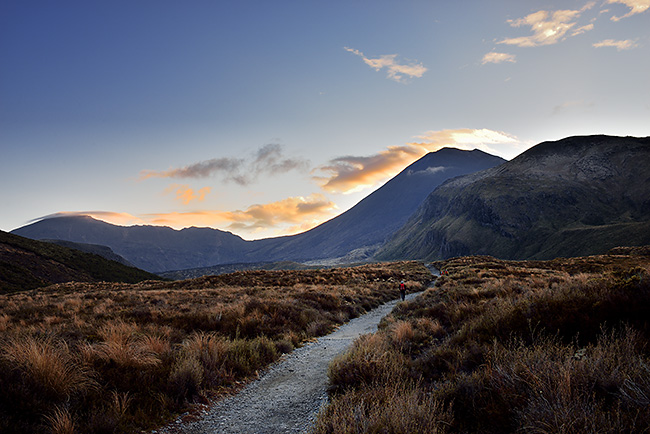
[{"x": 267, "y": 118}]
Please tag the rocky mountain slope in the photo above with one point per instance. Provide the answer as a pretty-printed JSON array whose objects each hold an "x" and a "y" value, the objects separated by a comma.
[
  {"x": 28, "y": 264},
  {"x": 363, "y": 228},
  {"x": 576, "y": 196}
]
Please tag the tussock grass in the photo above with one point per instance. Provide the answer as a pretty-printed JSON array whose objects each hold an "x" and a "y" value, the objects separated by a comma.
[
  {"x": 112, "y": 357},
  {"x": 558, "y": 346}
]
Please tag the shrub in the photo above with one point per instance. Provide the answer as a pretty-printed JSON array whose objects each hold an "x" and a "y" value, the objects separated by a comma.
[
  {"x": 505, "y": 346},
  {"x": 115, "y": 357},
  {"x": 393, "y": 409}
]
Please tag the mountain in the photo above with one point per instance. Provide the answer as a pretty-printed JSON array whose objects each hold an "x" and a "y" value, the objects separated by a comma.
[
  {"x": 361, "y": 230},
  {"x": 358, "y": 231},
  {"x": 152, "y": 248},
  {"x": 572, "y": 197},
  {"x": 28, "y": 264}
]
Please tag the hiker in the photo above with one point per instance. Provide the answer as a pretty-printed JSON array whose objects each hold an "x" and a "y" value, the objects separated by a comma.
[{"x": 402, "y": 290}]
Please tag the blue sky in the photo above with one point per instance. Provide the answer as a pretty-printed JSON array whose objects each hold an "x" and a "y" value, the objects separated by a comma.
[{"x": 267, "y": 118}]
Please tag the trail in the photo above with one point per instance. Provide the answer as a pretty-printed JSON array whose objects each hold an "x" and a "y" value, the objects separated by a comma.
[{"x": 289, "y": 395}]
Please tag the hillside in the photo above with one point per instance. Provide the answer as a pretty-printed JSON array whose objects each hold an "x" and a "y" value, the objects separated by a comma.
[
  {"x": 572, "y": 197},
  {"x": 28, "y": 264},
  {"x": 103, "y": 251}
]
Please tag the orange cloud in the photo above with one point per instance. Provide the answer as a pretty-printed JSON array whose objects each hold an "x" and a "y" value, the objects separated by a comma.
[
  {"x": 636, "y": 7},
  {"x": 287, "y": 216},
  {"x": 493, "y": 57},
  {"x": 351, "y": 173},
  {"x": 186, "y": 195},
  {"x": 306, "y": 212},
  {"x": 395, "y": 70},
  {"x": 547, "y": 27},
  {"x": 627, "y": 44}
]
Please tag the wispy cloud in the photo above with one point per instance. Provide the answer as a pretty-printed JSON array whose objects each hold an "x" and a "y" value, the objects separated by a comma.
[
  {"x": 547, "y": 27},
  {"x": 186, "y": 194},
  {"x": 626, "y": 44},
  {"x": 583, "y": 29},
  {"x": 494, "y": 57},
  {"x": 636, "y": 7},
  {"x": 268, "y": 160},
  {"x": 349, "y": 174},
  {"x": 395, "y": 70},
  {"x": 572, "y": 104}
]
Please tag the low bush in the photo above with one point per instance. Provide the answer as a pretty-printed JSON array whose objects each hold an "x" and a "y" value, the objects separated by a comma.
[
  {"x": 112, "y": 357},
  {"x": 505, "y": 347}
]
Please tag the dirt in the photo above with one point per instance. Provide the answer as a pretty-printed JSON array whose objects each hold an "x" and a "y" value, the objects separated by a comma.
[{"x": 289, "y": 395}]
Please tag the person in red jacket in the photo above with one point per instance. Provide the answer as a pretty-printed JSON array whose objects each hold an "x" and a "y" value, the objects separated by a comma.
[{"x": 402, "y": 290}]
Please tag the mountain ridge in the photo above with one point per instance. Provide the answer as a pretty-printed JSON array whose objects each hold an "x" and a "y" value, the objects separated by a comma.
[
  {"x": 576, "y": 196},
  {"x": 357, "y": 232}
]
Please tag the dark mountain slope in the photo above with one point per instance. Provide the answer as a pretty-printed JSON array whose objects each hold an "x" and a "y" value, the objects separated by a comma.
[
  {"x": 576, "y": 196},
  {"x": 103, "y": 251},
  {"x": 152, "y": 248},
  {"x": 28, "y": 264},
  {"x": 368, "y": 224}
]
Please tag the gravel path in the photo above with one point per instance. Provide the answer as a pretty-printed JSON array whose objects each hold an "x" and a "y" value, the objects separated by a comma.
[{"x": 288, "y": 396}]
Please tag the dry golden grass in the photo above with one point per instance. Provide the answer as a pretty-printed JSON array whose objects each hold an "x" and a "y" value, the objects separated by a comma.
[
  {"x": 110, "y": 357},
  {"x": 558, "y": 346}
]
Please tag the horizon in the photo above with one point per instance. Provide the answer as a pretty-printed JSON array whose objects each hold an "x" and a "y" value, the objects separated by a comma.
[
  {"x": 96, "y": 215},
  {"x": 259, "y": 120}
]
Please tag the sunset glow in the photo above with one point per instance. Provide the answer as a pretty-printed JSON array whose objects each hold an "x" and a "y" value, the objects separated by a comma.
[{"x": 269, "y": 118}]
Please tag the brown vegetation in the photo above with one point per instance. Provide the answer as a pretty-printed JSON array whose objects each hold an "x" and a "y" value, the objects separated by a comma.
[
  {"x": 502, "y": 346},
  {"x": 107, "y": 357}
]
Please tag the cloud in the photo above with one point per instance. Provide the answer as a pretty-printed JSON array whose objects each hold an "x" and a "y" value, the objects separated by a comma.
[
  {"x": 186, "y": 195},
  {"x": 268, "y": 160},
  {"x": 395, "y": 70},
  {"x": 204, "y": 169},
  {"x": 303, "y": 211},
  {"x": 627, "y": 44},
  {"x": 583, "y": 29},
  {"x": 286, "y": 216},
  {"x": 570, "y": 104},
  {"x": 428, "y": 171},
  {"x": 636, "y": 7},
  {"x": 350, "y": 174},
  {"x": 494, "y": 57},
  {"x": 547, "y": 27},
  {"x": 118, "y": 218}
]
